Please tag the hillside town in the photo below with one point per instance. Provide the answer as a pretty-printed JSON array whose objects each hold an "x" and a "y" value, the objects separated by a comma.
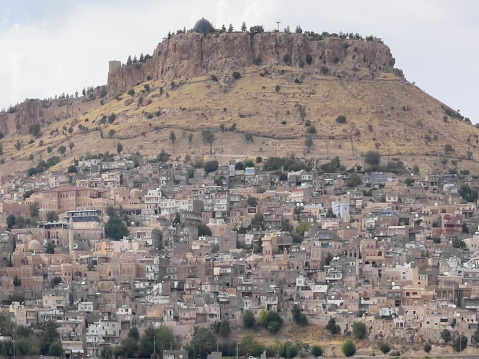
[{"x": 107, "y": 246}]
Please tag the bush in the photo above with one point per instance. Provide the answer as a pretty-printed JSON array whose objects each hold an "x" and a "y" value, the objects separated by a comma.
[
  {"x": 249, "y": 321},
  {"x": 427, "y": 347},
  {"x": 359, "y": 330},
  {"x": 311, "y": 130},
  {"x": 236, "y": 75},
  {"x": 287, "y": 59},
  {"x": 277, "y": 88},
  {"x": 332, "y": 327},
  {"x": 270, "y": 320},
  {"x": 298, "y": 317},
  {"x": 211, "y": 166},
  {"x": 317, "y": 351},
  {"x": 324, "y": 70},
  {"x": 348, "y": 348},
  {"x": 131, "y": 92},
  {"x": 448, "y": 148},
  {"x": 384, "y": 347},
  {"x": 372, "y": 158},
  {"x": 460, "y": 343},
  {"x": 309, "y": 59},
  {"x": 341, "y": 119},
  {"x": 214, "y": 78}
]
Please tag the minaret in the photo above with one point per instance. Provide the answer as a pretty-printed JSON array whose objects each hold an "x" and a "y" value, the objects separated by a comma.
[{"x": 70, "y": 235}]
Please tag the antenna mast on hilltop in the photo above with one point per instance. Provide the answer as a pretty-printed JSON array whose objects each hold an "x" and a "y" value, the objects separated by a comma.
[{"x": 278, "y": 21}]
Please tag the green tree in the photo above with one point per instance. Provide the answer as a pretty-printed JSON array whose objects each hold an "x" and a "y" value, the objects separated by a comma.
[
  {"x": 11, "y": 220},
  {"x": 119, "y": 147},
  {"x": 359, "y": 330},
  {"x": 251, "y": 346},
  {"x": 208, "y": 137},
  {"x": 204, "y": 230},
  {"x": 173, "y": 139},
  {"x": 8, "y": 327},
  {"x": 202, "y": 343},
  {"x": 62, "y": 150},
  {"x": 252, "y": 201},
  {"x": 446, "y": 335},
  {"x": 249, "y": 321},
  {"x": 115, "y": 228},
  {"x": 243, "y": 27},
  {"x": 468, "y": 194},
  {"x": 130, "y": 347},
  {"x": 354, "y": 181},
  {"x": 56, "y": 349},
  {"x": 52, "y": 216},
  {"x": 290, "y": 350},
  {"x": 270, "y": 320},
  {"x": 308, "y": 142},
  {"x": 211, "y": 166},
  {"x": 302, "y": 228},
  {"x": 427, "y": 347},
  {"x": 224, "y": 329},
  {"x": 332, "y": 327},
  {"x": 384, "y": 347},
  {"x": 71, "y": 145},
  {"x": 298, "y": 317},
  {"x": 163, "y": 337},
  {"x": 258, "y": 221},
  {"x": 50, "y": 249},
  {"x": 372, "y": 158},
  {"x": 21, "y": 346},
  {"x": 190, "y": 137},
  {"x": 348, "y": 348},
  {"x": 56, "y": 281},
  {"x": 341, "y": 119},
  {"x": 459, "y": 343},
  {"x": 317, "y": 351},
  {"x": 34, "y": 210},
  {"x": 106, "y": 352}
]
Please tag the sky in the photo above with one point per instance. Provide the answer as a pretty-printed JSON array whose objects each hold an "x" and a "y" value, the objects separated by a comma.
[{"x": 51, "y": 47}]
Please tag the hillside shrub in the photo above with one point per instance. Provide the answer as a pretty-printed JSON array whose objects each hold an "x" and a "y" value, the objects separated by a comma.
[
  {"x": 236, "y": 75},
  {"x": 341, "y": 119},
  {"x": 348, "y": 348}
]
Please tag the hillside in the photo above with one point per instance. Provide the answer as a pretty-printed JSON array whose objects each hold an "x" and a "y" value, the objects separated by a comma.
[{"x": 272, "y": 101}]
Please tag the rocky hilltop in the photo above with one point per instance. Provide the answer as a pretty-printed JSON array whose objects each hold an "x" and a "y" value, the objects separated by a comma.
[
  {"x": 192, "y": 55},
  {"x": 260, "y": 95}
]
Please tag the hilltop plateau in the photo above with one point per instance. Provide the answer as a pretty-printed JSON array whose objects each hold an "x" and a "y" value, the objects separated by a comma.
[{"x": 260, "y": 94}]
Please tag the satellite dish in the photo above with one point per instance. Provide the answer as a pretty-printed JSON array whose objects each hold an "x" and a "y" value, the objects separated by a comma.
[
  {"x": 393, "y": 284},
  {"x": 332, "y": 297}
]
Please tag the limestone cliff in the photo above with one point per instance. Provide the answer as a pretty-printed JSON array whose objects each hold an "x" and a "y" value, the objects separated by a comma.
[{"x": 192, "y": 55}]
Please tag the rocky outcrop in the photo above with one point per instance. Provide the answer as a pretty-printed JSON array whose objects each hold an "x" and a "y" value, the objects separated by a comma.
[
  {"x": 192, "y": 54},
  {"x": 3, "y": 124}
]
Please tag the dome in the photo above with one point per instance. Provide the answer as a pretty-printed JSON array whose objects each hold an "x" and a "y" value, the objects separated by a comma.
[
  {"x": 203, "y": 26},
  {"x": 35, "y": 245}
]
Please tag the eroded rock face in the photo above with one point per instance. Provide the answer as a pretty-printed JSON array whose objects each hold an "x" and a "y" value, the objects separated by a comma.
[
  {"x": 28, "y": 113},
  {"x": 191, "y": 55},
  {"x": 3, "y": 123}
]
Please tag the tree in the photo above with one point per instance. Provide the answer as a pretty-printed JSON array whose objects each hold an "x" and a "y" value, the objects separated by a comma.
[
  {"x": 249, "y": 321},
  {"x": 208, "y": 137},
  {"x": 34, "y": 210},
  {"x": 354, "y": 180},
  {"x": 446, "y": 335},
  {"x": 348, "y": 348},
  {"x": 270, "y": 320},
  {"x": 308, "y": 142},
  {"x": 468, "y": 194},
  {"x": 163, "y": 337},
  {"x": 190, "y": 137},
  {"x": 115, "y": 228},
  {"x": 204, "y": 230},
  {"x": 250, "y": 346},
  {"x": 359, "y": 330},
  {"x": 71, "y": 145},
  {"x": 173, "y": 139},
  {"x": 460, "y": 343},
  {"x": 224, "y": 329},
  {"x": 130, "y": 347},
  {"x": 230, "y": 28},
  {"x": 384, "y": 347},
  {"x": 243, "y": 27},
  {"x": 31, "y": 157},
  {"x": 50, "y": 248},
  {"x": 252, "y": 201},
  {"x": 211, "y": 166},
  {"x": 119, "y": 147},
  {"x": 72, "y": 169},
  {"x": 56, "y": 281},
  {"x": 56, "y": 349},
  {"x": 62, "y": 150},
  {"x": 21, "y": 346},
  {"x": 298, "y": 317},
  {"x": 332, "y": 327},
  {"x": 133, "y": 333},
  {"x": 427, "y": 347},
  {"x": 372, "y": 158},
  {"x": 202, "y": 343},
  {"x": 258, "y": 221},
  {"x": 107, "y": 351},
  {"x": 317, "y": 351},
  {"x": 8, "y": 327},
  {"x": 11, "y": 221}
]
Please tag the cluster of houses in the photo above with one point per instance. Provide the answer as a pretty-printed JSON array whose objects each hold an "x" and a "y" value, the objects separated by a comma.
[{"x": 400, "y": 257}]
